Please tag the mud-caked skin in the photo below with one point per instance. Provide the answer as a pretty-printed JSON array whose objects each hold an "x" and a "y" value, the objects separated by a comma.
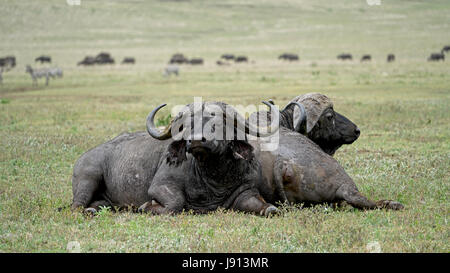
[
  {"x": 164, "y": 176},
  {"x": 300, "y": 172}
]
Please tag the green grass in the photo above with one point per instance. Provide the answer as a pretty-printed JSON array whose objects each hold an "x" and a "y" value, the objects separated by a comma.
[{"x": 402, "y": 109}]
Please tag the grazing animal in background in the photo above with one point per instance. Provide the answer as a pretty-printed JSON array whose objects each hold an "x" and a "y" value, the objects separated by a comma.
[
  {"x": 289, "y": 57},
  {"x": 324, "y": 126},
  {"x": 171, "y": 70},
  {"x": 8, "y": 62},
  {"x": 241, "y": 59},
  {"x": 390, "y": 58},
  {"x": 178, "y": 58},
  {"x": 366, "y": 58},
  {"x": 227, "y": 57},
  {"x": 104, "y": 58},
  {"x": 445, "y": 49},
  {"x": 43, "y": 59},
  {"x": 164, "y": 176},
  {"x": 1, "y": 75},
  {"x": 196, "y": 61},
  {"x": 37, "y": 74},
  {"x": 345, "y": 56},
  {"x": 128, "y": 60},
  {"x": 55, "y": 72},
  {"x": 298, "y": 171},
  {"x": 88, "y": 60},
  {"x": 435, "y": 57},
  {"x": 219, "y": 62}
]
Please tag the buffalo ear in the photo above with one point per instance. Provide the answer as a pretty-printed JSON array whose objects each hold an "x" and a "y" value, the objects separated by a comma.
[
  {"x": 242, "y": 150},
  {"x": 176, "y": 152}
]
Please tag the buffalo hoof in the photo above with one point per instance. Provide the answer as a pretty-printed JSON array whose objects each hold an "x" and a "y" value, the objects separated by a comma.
[
  {"x": 90, "y": 211},
  {"x": 271, "y": 210},
  {"x": 389, "y": 204},
  {"x": 145, "y": 207}
]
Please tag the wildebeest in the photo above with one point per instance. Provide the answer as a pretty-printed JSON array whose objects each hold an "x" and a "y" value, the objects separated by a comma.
[
  {"x": 434, "y": 57},
  {"x": 227, "y": 57},
  {"x": 366, "y": 58},
  {"x": 300, "y": 172},
  {"x": 178, "y": 58},
  {"x": 324, "y": 126},
  {"x": 390, "y": 58},
  {"x": 128, "y": 60},
  {"x": 165, "y": 175},
  {"x": 8, "y": 62},
  {"x": 445, "y": 49},
  {"x": 88, "y": 60},
  {"x": 241, "y": 59},
  {"x": 196, "y": 61},
  {"x": 43, "y": 59},
  {"x": 345, "y": 56},
  {"x": 104, "y": 58},
  {"x": 289, "y": 57},
  {"x": 171, "y": 69}
]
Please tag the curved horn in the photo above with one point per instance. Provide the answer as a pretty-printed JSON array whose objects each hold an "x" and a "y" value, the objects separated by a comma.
[
  {"x": 301, "y": 124},
  {"x": 274, "y": 126},
  {"x": 151, "y": 128}
]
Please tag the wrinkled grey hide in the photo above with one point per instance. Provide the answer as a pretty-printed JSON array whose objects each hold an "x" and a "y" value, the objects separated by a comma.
[
  {"x": 165, "y": 176},
  {"x": 300, "y": 172}
]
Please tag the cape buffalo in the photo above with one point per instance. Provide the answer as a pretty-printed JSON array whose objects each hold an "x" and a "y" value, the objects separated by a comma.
[
  {"x": 390, "y": 58},
  {"x": 178, "y": 58},
  {"x": 196, "y": 61},
  {"x": 327, "y": 128},
  {"x": 366, "y": 58},
  {"x": 289, "y": 57},
  {"x": 128, "y": 60},
  {"x": 88, "y": 60},
  {"x": 163, "y": 175},
  {"x": 345, "y": 56},
  {"x": 227, "y": 56},
  {"x": 300, "y": 172},
  {"x": 43, "y": 59},
  {"x": 434, "y": 57},
  {"x": 241, "y": 59},
  {"x": 104, "y": 58}
]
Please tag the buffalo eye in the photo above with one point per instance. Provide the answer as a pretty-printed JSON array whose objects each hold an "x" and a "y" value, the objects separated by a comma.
[{"x": 329, "y": 116}]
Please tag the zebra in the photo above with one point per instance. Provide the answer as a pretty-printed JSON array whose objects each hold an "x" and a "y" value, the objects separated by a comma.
[
  {"x": 55, "y": 72},
  {"x": 38, "y": 73},
  {"x": 171, "y": 69}
]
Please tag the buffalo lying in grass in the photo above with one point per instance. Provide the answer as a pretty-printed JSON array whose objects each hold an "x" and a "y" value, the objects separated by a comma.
[
  {"x": 366, "y": 58},
  {"x": 390, "y": 58},
  {"x": 300, "y": 172},
  {"x": 435, "y": 57},
  {"x": 162, "y": 175},
  {"x": 345, "y": 56}
]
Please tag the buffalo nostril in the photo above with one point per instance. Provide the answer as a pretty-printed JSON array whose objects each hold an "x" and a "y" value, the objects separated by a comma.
[
  {"x": 357, "y": 131},
  {"x": 203, "y": 139}
]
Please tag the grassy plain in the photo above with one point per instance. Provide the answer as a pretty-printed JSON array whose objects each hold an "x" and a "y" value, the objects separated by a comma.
[{"x": 402, "y": 109}]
